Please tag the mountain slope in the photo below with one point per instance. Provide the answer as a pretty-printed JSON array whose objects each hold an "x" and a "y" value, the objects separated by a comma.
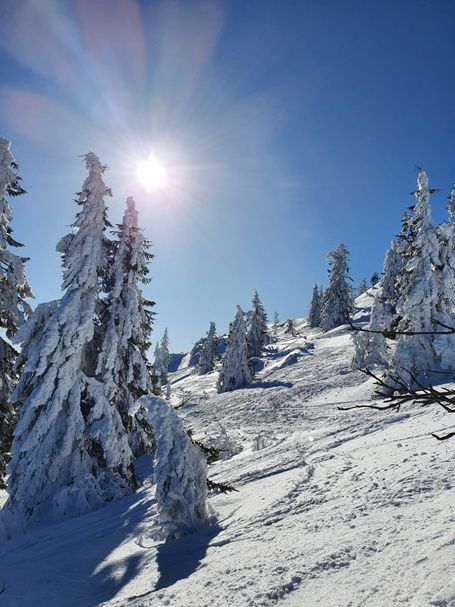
[{"x": 333, "y": 508}]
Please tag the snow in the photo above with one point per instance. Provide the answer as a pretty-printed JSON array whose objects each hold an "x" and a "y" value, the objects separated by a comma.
[{"x": 333, "y": 508}]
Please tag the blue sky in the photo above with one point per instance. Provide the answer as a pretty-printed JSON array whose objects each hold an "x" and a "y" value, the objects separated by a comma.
[{"x": 286, "y": 127}]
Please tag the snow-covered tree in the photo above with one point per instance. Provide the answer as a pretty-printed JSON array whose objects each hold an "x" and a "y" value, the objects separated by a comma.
[
  {"x": 362, "y": 287},
  {"x": 162, "y": 358},
  {"x": 123, "y": 366},
  {"x": 258, "y": 332},
  {"x": 208, "y": 351},
  {"x": 180, "y": 474},
  {"x": 338, "y": 301},
  {"x": 374, "y": 279},
  {"x": 420, "y": 299},
  {"x": 275, "y": 327},
  {"x": 70, "y": 453},
  {"x": 14, "y": 288},
  {"x": 314, "y": 314},
  {"x": 290, "y": 327},
  {"x": 14, "y": 291},
  {"x": 371, "y": 348},
  {"x": 235, "y": 368}
]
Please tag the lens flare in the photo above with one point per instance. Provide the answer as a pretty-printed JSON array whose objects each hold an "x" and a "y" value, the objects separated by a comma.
[{"x": 152, "y": 174}]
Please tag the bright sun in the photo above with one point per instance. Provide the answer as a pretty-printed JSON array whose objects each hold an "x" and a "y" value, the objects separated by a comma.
[{"x": 152, "y": 174}]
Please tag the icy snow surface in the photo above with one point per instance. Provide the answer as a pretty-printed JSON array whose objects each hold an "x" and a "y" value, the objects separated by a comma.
[{"x": 333, "y": 508}]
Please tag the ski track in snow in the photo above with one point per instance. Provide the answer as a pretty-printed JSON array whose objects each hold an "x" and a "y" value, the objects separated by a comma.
[{"x": 342, "y": 509}]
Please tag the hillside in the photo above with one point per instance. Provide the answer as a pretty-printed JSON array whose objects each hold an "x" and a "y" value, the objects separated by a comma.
[{"x": 333, "y": 508}]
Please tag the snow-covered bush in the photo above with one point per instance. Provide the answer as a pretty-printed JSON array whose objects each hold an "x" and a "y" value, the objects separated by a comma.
[
  {"x": 235, "y": 368},
  {"x": 180, "y": 473}
]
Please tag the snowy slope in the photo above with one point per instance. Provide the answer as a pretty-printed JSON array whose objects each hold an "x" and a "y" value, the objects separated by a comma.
[{"x": 333, "y": 508}]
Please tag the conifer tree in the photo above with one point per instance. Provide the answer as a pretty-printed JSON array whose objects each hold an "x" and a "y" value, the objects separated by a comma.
[
  {"x": 70, "y": 453},
  {"x": 123, "y": 366},
  {"x": 258, "y": 333},
  {"x": 374, "y": 279},
  {"x": 207, "y": 355},
  {"x": 420, "y": 300},
  {"x": 164, "y": 357},
  {"x": 371, "y": 348},
  {"x": 290, "y": 328},
  {"x": 314, "y": 314},
  {"x": 362, "y": 287},
  {"x": 235, "y": 368},
  {"x": 338, "y": 301},
  {"x": 14, "y": 291},
  {"x": 275, "y": 327}
]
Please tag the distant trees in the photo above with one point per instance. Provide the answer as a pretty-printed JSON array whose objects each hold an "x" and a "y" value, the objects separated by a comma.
[
  {"x": 258, "y": 332},
  {"x": 235, "y": 367},
  {"x": 314, "y": 314},
  {"x": 374, "y": 279},
  {"x": 162, "y": 358},
  {"x": 208, "y": 352},
  {"x": 275, "y": 327},
  {"x": 362, "y": 287},
  {"x": 338, "y": 301},
  {"x": 14, "y": 292}
]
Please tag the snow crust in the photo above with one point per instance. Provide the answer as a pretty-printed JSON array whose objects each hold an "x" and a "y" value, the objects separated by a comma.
[{"x": 333, "y": 508}]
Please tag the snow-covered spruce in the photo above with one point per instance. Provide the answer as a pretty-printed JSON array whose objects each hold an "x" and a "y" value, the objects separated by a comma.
[
  {"x": 314, "y": 314},
  {"x": 235, "y": 368},
  {"x": 362, "y": 287},
  {"x": 14, "y": 291},
  {"x": 162, "y": 357},
  {"x": 258, "y": 332},
  {"x": 14, "y": 288},
  {"x": 123, "y": 366},
  {"x": 275, "y": 327},
  {"x": 421, "y": 298},
  {"x": 290, "y": 327},
  {"x": 338, "y": 302},
  {"x": 70, "y": 453},
  {"x": 208, "y": 351},
  {"x": 371, "y": 348},
  {"x": 180, "y": 473}
]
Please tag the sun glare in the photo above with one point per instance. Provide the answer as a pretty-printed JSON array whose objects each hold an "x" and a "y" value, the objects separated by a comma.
[{"x": 152, "y": 174}]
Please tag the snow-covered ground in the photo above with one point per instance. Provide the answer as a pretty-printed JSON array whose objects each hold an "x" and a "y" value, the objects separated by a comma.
[{"x": 333, "y": 508}]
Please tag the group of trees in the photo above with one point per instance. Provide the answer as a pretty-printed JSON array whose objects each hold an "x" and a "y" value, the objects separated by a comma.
[
  {"x": 415, "y": 301},
  {"x": 333, "y": 307},
  {"x": 82, "y": 362}
]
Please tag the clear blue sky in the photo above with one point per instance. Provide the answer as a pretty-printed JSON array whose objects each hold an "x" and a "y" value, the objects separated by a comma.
[{"x": 286, "y": 126}]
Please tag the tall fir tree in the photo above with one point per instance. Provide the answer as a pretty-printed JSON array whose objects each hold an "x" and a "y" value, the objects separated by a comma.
[
  {"x": 235, "y": 368},
  {"x": 314, "y": 314},
  {"x": 362, "y": 287},
  {"x": 258, "y": 332},
  {"x": 164, "y": 357},
  {"x": 338, "y": 301},
  {"x": 420, "y": 299},
  {"x": 208, "y": 351},
  {"x": 123, "y": 366},
  {"x": 14, "y": 291},
  {"x": 275, "y": 327},
  {"x": 70, "y": 453}
]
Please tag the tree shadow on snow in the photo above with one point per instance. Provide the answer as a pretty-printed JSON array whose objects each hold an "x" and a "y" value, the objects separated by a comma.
[
  {"x": 178, "y": 559},
  {"x": 269, "y": 384}
]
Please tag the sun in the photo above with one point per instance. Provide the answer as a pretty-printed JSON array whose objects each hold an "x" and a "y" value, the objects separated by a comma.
[{"x": 152, "y": 174}]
